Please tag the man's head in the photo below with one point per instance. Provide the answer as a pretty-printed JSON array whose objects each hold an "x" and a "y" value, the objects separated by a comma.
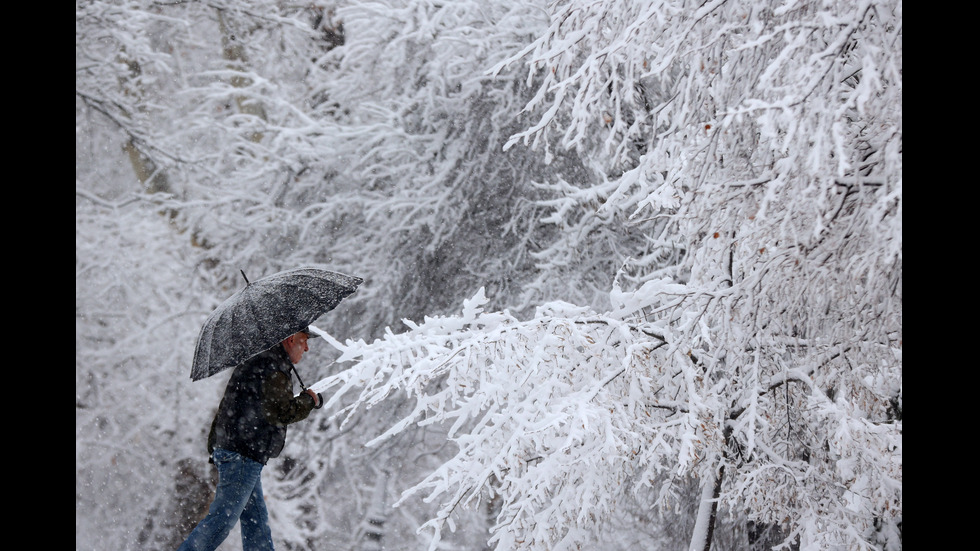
[{"x": 295, "y": 345}]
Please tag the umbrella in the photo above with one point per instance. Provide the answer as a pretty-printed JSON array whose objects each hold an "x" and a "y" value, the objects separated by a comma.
[{"x": 265, "y": 312}]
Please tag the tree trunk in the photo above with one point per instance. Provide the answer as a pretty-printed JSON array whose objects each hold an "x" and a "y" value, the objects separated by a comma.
[
  {"x": 234, "y": 52},
  {"x": 704, "y": 527},
  {"x": 374, "y": 521},
  {"x": 194, "y": 490},
  {"x": 153, "y": 180}
]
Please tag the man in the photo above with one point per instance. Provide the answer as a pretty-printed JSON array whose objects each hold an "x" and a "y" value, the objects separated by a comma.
[{"x": 248, "y": 430}]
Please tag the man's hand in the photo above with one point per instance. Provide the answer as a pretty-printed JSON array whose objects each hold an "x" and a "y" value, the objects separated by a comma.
[{"x": 317, "y": 398}]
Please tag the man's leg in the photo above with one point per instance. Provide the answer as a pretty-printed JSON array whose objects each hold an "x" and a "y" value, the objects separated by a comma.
[
  {"x": 237, "y": 477},
  {"x": 256, "y": 534}
]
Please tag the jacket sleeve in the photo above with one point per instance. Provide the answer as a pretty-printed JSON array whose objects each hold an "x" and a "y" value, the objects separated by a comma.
[{"x": 279, "y": 404}]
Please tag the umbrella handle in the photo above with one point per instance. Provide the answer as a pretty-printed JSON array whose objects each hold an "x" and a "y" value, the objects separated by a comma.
[{"x": 298, "y": 377}]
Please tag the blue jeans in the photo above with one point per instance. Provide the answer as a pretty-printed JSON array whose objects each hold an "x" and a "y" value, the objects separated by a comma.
[{"x": 237, "y": 498}]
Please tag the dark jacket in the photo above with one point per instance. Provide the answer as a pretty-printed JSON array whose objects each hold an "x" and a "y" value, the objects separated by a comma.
[{"x": 257, "y": 405}]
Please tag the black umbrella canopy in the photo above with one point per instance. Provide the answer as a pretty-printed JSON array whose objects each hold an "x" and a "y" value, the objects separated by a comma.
[{"x": 265, "y": 312}]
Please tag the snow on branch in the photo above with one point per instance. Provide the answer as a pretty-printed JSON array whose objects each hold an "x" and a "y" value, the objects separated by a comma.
[{"x": 535, "y": 408}]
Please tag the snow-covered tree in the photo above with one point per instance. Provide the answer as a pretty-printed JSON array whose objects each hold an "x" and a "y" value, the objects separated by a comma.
[{"x": 753, "y": 340}]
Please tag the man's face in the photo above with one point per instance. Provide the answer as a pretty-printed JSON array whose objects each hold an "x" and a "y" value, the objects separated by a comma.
[{"x": 295, "y": 346}]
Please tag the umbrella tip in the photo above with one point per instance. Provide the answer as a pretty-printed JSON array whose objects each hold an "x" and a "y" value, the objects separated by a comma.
[{"x": 247, "y": 282}]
